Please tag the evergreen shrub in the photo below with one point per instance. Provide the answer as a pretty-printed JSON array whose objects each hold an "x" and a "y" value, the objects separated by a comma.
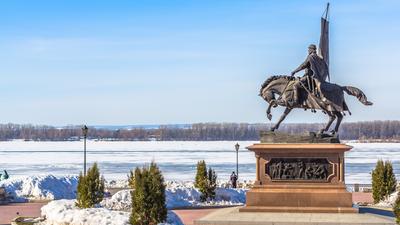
[
  {"x": 148, "y": 196},
  {"x": 90, "y": 190},
  {"x": 383, "y": 181},
  {"x": 205, "y": 181}
]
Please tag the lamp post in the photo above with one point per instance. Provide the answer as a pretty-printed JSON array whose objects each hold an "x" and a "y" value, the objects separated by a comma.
[
  {"x": 237, "y": 159},
  {"x": 84, "y": 131}
]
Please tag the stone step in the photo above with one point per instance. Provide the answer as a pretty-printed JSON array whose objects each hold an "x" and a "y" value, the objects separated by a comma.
[{"x": 232, "y": 216}]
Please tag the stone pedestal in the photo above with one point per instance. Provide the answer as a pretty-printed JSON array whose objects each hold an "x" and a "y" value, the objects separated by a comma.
[{"x": 302, "y": 177}]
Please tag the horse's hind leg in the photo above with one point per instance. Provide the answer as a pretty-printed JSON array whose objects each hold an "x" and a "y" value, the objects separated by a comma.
[
  {"x": 339, "y": 117},
  {"x": 331, "y": 119},
  {"x": 285, "y": 113}
]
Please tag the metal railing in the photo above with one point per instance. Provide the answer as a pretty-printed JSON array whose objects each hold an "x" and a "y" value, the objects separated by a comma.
[{"x": 359, "y": 187}]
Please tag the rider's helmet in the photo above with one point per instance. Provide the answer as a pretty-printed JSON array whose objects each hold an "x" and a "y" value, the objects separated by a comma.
[{"x": 313, "y": 47}]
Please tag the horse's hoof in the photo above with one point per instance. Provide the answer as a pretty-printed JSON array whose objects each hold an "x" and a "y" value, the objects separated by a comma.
[
  {"x": 269, "y": 116},
  {"x": 272, "y": 129}
]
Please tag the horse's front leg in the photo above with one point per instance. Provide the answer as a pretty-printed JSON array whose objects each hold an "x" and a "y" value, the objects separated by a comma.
[
  {"x": 269, "y": 115},
  {"x": 285, "y": 113}
]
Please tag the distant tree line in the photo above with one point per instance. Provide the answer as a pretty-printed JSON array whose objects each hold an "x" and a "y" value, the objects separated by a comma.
[{"x": 369, "y": 130}]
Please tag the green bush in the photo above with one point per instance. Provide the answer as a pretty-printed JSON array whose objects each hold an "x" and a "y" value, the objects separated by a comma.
[
  {"x": 212, "y": 183},
  {"x": 205, "y": 181},
  {"x": 396, "y": 208},
  {"x": 390, "y": 179},
  {"x": 131, "y": 179},
  {"x": 383, "y": 180},
  {"x": 201, "y": 174},
  {"x": 201, "y": 179},
  {"x": 90, "y": 189},
  {"x": 378, "y": 175},
  {"x": 148, "y": 198}
]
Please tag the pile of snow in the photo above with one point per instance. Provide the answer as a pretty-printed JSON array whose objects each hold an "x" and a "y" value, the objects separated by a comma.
[
  {"x": 181, "y": 195},
  {"x": 389, "y": 201},
  {"x": 119, "y": 201},
  {"x": 241, "y": 184},
  {"x": 117, "y": 183},
  {"x": 46, "y": 187},
  {"x": 65, "y": 212},
  {"x": 184, "y": 194}
]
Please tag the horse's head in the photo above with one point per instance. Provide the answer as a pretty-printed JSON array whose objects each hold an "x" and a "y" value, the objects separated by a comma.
[{"x": 274, "y": 85}]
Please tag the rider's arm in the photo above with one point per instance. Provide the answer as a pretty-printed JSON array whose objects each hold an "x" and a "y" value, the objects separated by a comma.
[{"x": 304, "y": 65}]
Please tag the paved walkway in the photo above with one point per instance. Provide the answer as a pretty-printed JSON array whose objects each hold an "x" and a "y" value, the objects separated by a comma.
[
  {"x": 9, "y": 212},
  {"x": 232, "y": 216},
  {"x": 187, "y": 216},
  {"x": 362, "y": 197}
]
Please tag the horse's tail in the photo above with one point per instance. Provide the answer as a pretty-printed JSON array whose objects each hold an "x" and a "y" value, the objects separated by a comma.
[{"x": 357, "y": 93}]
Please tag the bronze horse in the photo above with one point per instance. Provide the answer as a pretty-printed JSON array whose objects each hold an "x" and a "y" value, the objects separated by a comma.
[{"x": 331, "y": 100}]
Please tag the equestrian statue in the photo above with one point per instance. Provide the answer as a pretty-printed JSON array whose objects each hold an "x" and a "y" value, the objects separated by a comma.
[{"x": 311, "y": 91}]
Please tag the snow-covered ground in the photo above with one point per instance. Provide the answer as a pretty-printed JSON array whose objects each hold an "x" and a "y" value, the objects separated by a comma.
[
  {"x": 49, "y": 187},
  {"x": 181, "y": 195},
  {"x": 119, "y": 201},
  {"x": 112, "y": 210},
  {"x": 178, "y": 194},
  {"x": 120, "y": 183},
  {"x": 389, "y": 201},
  {"x": 65, "y": 212},
  {"x": 115, "y": 210}
]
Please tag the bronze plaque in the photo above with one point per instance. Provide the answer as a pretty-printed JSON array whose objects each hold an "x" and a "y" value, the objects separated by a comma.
[{"x": 307, "y": 169}]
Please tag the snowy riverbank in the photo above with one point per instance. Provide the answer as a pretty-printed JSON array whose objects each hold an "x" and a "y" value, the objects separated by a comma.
[{"x": 176, "y": 159}]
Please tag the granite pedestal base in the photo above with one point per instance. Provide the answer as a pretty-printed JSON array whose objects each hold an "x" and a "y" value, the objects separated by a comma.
[{"x": 306, "y": 178}]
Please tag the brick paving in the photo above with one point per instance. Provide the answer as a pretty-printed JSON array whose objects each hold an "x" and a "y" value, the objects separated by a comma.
[
  {"x": 9, "y": 212},
  {"x": 362, "y": 197},
  {"x": 233, "y": 216},
  {"x": 187, "y": 216}
]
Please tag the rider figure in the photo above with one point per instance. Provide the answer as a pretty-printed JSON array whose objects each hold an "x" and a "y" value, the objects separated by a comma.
[{"x": 316, "y": 71}]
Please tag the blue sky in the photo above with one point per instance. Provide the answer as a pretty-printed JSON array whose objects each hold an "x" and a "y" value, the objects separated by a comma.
[{"x": 157, "y": 62}]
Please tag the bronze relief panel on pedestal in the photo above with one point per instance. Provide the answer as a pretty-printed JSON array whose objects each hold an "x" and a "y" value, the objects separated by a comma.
[{"x": 301, "y": 169}]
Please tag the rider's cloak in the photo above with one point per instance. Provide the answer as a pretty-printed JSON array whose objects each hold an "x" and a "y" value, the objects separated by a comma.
[{"x": 318, "y": 66}]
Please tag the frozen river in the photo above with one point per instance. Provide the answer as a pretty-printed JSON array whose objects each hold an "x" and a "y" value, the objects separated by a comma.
[{"x": 177, "y": 159}]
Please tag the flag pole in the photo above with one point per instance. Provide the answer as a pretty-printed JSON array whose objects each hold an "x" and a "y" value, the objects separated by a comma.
[{"x": 326, "y": 11}]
